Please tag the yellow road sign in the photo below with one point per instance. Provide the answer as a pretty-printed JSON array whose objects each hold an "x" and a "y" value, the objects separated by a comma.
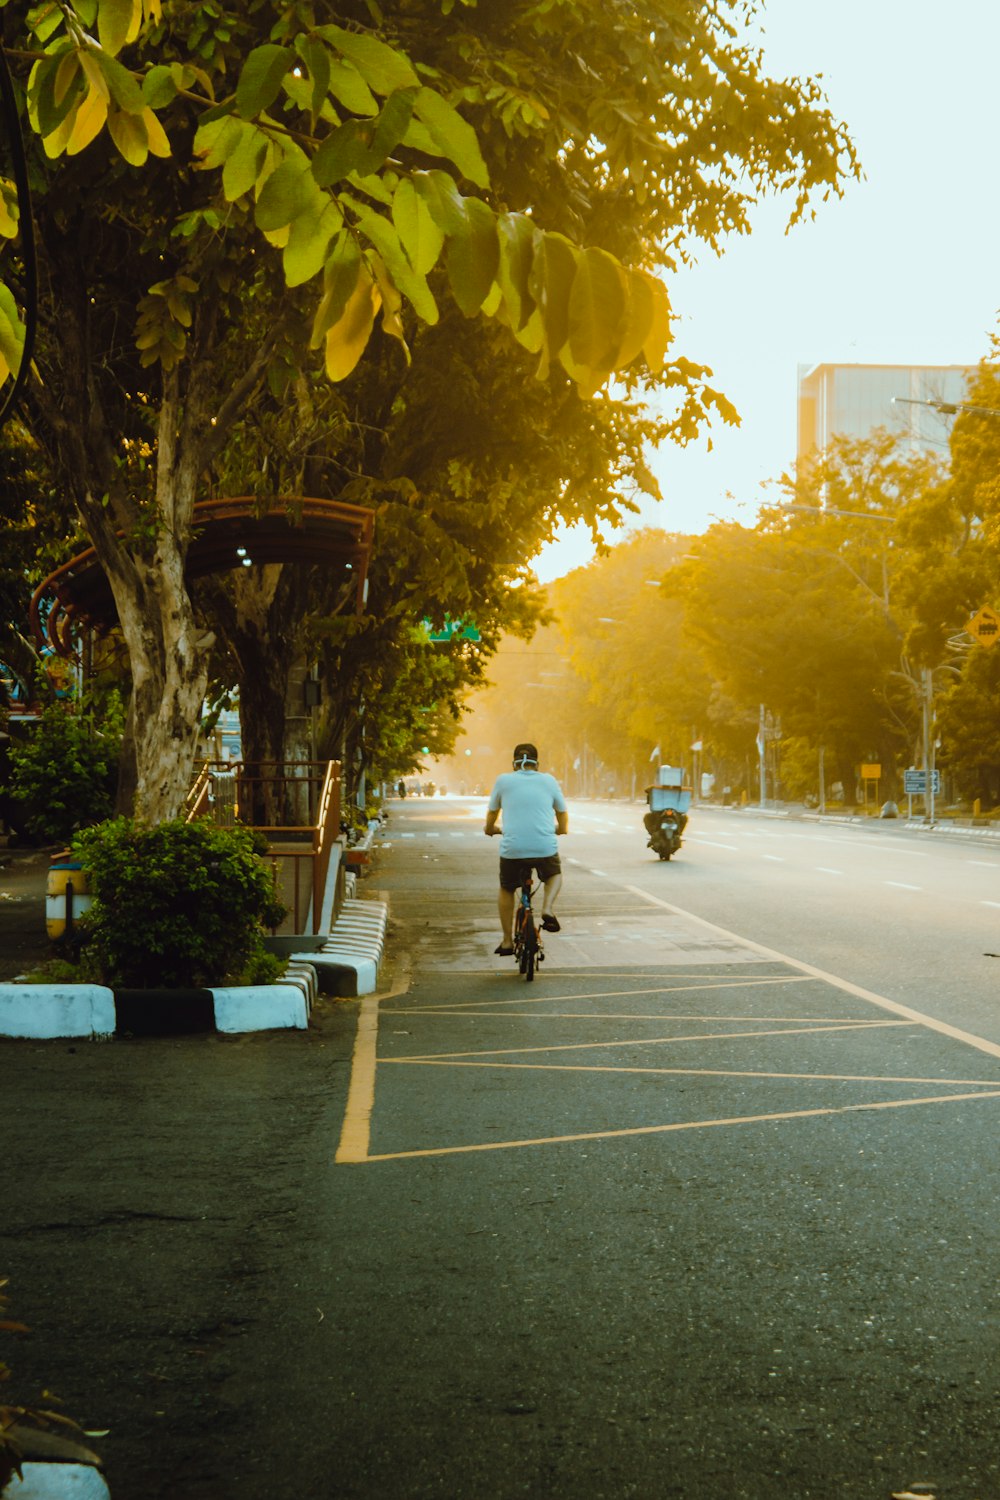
[{"x": 984, "y": 626}]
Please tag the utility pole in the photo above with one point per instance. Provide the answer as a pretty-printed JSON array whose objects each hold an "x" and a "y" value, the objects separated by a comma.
[
  {"x": 928, "y": 746},
  {"x": 762, "y": 755}
]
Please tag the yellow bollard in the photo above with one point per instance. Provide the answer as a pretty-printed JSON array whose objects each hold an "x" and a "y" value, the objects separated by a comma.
[{"x": 67, "y": 897}]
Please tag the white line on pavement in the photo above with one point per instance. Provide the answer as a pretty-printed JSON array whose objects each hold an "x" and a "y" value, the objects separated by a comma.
[{"x": 893, "y": 1006}]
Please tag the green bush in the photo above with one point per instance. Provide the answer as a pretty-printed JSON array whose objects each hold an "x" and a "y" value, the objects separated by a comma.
[
  {"x": 64, "y": 774},
  {"x": 181, "y": 904}
]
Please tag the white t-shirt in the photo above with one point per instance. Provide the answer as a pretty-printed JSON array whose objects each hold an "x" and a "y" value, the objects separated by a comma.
[{"x": 530, "y": 801}]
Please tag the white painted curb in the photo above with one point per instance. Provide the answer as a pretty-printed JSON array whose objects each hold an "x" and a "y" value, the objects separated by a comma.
[
  {"x": 350, "y": 957},
  {"x": 263, "y": 1007},
  {"x": 57, "y": 1482},
  {"x": 54, "y": 1010}
]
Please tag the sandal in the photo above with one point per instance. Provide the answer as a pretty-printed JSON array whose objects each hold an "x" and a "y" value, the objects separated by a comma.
[
  {"x": 504, "y": 952},
  {"x": 550, "y": 923}
]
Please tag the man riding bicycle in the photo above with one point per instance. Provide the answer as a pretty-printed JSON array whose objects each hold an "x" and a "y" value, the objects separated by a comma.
[{"x": 529, "y": 798}]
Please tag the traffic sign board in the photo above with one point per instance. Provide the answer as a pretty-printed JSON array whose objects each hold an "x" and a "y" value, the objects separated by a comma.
[
  {"x": 915, "y": 783},
  {"x": 985, "y": 626}
]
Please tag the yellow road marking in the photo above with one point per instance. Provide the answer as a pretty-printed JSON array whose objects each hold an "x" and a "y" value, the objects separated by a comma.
[
  {"x": 463, "y": 1062},
  {"x": 980, "y": 1043},
  {"x": 651, "y": 1041},
  {"x": 355, "y": 1133},
  {"x": 636, "y": 1130},
  {"x": 655, "y": 989},
  {"x": 627, "y": 1015}
]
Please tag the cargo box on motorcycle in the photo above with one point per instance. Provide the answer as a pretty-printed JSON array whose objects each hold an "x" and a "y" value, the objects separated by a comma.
[{"x": 671, "y": 793}]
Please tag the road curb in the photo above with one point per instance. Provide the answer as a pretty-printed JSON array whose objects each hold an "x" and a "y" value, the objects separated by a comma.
[{"x": 347, "y": 964}]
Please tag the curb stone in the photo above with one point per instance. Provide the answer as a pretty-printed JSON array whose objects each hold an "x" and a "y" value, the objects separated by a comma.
[{"x": 346, "y": 964}]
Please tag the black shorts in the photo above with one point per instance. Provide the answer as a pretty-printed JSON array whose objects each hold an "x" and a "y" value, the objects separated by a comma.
[{"x": 513, "y": 871}]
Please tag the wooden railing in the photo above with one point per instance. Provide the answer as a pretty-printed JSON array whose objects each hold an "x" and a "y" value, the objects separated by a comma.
[{"x": 296, "y": 806}]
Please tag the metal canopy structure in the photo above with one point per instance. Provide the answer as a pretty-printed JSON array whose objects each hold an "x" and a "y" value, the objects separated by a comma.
[{"x": 227, "y": 534}]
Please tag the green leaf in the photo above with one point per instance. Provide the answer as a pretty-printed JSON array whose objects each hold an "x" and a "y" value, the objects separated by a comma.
[
  {"x": 216, "y": 139},
  {"x": 42, "y": 91},
  {"x": 657, "y": 341},
  {"x": 159, "y": 87},
  {"x": 639, "y": 315},
  {"x": 246, "y": 163},
  {"x": 11, "y": 334},
  {"x": 317, "y": 61},
  {"x": 472, "y": 257},
  {"x": 349, "y": 88},
  {"x": 122, "y": 86},
  {"x": 340, "y": 275},
  {"x": 419, "y": 138},
  {"x": 186, "y": 74},
  {"x": 381, "y": 66},
  {"x": 129, "y": 134},
  {"x": 285, "y": 195},
  {"x": 343, "y": 151},
  {"x": 421, "y": 237},
  {"x": 391, "y": 125},
  {"x": 443, "y": 199},
  {"x": 114, "y": 24},
  {"x": 260, "y": 80},
  {"x": 596, "y": 311},
  {"x": 45, "y": 20},
  {"x": 375, "y": 187},
  {"x": 453, "y": 136},
  {"x": 347, "y": 339},
  {"x": 517, "y": 235},
  {"x": 410, "y": 282},
  {"x": 304, "y": 255},
  {"x": 551, "y": 282}
]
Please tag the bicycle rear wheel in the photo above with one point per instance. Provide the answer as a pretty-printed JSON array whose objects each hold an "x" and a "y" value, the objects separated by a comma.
[
  {"x": 519, "y": 937},
  {"x": 529, "y": 951}
]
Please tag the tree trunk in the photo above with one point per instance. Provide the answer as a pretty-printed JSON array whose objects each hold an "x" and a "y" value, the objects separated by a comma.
[{"x": 256, "y": 617}]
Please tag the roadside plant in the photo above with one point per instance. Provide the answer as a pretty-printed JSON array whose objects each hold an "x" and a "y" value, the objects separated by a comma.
[
  {"x": 65, "y": 772},
  {"x": 179, "y": 904}
]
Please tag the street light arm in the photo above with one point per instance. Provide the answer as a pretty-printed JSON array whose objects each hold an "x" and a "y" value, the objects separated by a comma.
[{"x": 948, "y": 408}]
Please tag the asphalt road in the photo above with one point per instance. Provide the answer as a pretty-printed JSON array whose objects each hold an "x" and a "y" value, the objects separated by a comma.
[
  {"x": 682, "y": 1218},
  {"x": 910, "y": 913}
]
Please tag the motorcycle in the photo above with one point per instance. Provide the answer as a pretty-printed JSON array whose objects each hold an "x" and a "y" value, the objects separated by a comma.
[
  {"x": 664, "y": 829},
  {"x": 666, "y": 819}
]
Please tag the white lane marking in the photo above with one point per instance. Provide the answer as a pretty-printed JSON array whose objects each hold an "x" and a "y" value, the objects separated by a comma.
[
  {"x": 900, "y": 885},
  {"x": 825, "y": 870},
  {"x": 980, "y": 1043},
  {"x": 990, "y": 903},
  {"x": 406, "y": 835},
  {"x": 984, "y": 864},
  {"x": 857, "y": 841},
  {"x": 598, "y": 872},
  {"x": 777, "y": 858},
  {"x": 711, "y": 844}
]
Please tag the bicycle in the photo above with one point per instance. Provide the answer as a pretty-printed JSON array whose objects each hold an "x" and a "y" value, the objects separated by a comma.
[{"x": 528, "y": 948}]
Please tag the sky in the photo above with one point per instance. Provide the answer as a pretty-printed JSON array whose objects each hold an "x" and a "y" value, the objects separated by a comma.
[{"x": 904, "y": 269}]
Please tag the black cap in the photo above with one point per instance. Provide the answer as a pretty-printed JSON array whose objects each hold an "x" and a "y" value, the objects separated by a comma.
[{"x": 525, "y": 755}]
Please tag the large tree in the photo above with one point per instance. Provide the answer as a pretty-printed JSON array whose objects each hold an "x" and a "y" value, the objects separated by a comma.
[{"x": 196, "y": 166}]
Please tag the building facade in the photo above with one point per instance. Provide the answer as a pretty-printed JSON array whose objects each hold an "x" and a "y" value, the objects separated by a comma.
[{"x": 854, "y": 400}]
